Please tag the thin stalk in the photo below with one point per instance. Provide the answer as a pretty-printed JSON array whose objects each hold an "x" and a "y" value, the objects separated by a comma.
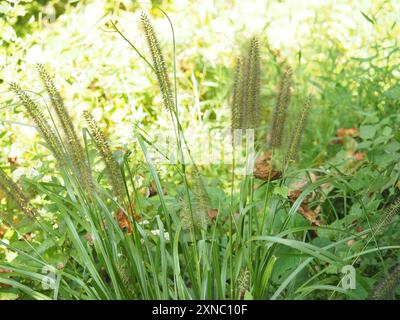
[{"x": 231, "y": 222}]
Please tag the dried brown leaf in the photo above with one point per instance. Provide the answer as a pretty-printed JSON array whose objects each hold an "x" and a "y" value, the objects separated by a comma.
[
  {"x": 263, "y": 169},
  {"x": 212, "y": 214}
]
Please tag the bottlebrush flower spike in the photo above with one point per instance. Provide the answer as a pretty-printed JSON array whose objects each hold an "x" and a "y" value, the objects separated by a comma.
[
  {"x": 14, "y": 192},
  {"x": 103, "y": 147},
  {"x": 237, "y": 96},
  {"x": 297, "y": 133},
  {"x": 41, "y": 122},
  {"x": 387, "y": 217},
  {"x": 253, "y": 96},
  {"x": 245, "y": 108},
  {"x": 73, "y": 145},
  {"x": 281, "y": 107},
  {"x": 159, "y": 64}
]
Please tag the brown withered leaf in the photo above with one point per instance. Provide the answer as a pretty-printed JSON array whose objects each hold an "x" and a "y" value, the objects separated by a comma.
[
  {"x": 12, "y": 160},
  {"x": 263, "y": 169},
  {"x": 60, "y": 266},
  {"x": 186, "y": 66},
  {"x": 212, "y": 214},
  {"x": 359, "y": 229},
  {"x": 2, "y": 270},
  {"x": 29, "y": 236},
  {"x": 336, "y": 141},
  {"x": 301, "y": 182},
  {"x": 351, "y": 242},
  {"x": 123, "y": 221},
  {"x": 104, "y": 274},
  {"x": 343, "y": 133},
  {"x": 89, "y": 238},
  {"x": 354, "y": 159},
  {"x": 311, "y": 215},
  {"x": 152, "y": 191},
  {"x": 359, "y": 156},
  {"x": 2, "y": 231},
  {"x": 293, "y": 195},
  {"x": 3, "y": 285},
  {"x": 349, "y": 132}
]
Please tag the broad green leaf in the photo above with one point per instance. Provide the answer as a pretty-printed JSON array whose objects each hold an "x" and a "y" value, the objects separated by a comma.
[{"x": 367, "y": 132}]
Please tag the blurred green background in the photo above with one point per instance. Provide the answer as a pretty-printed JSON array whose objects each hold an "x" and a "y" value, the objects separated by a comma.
[{"x": 340, "y": 50}]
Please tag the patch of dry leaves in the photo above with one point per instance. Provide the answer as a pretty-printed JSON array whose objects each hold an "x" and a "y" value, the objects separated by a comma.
[
  {"x": 312, "y": 215},
  {"x": 263, "y": 169}
]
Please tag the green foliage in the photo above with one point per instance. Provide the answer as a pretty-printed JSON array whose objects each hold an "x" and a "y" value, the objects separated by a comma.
[
  {"x": 143, "y": 230},
  {"x": 16, "y": 16}
]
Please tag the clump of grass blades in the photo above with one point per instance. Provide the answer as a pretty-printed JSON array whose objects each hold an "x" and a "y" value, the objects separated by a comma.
[
  {"x": 245, "y": 107},
  {"x": 73, "y": 145},
  {"x": 41, "y": 122},
  {"x": 280, "y": 110},
  {"x": 159, "y": 64},
  {"x": 15, "y": 193},
  {"x": 103, "y": 147},
  {"x": 387, "y": 286},
  {"x": 114, "y": 264}
]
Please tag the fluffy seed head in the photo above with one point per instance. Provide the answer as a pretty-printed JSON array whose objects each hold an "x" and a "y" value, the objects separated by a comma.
[
  {"x": 73, "y": 145},
  {"x": 295, "y": 138},
  {"x": 41, "y": 122},
  {"x": 243, "y": 282},
  {"x": 253, "y": 99},
  {"x": 237, "y": 96},
  {"x": 103, "y": 147},
  {"x": 159, "y": 64},
  {"x": 245, "y": 106},
  {"x": 14, "y": 192},
  {"x": 281, "y": 107}
]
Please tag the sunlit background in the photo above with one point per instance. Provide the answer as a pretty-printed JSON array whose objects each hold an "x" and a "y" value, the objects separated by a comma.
[{"x": 96, "y": 69}]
